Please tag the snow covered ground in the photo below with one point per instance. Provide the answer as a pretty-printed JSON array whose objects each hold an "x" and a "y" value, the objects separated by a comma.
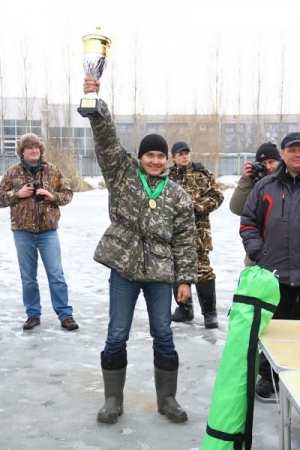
[{"x": 51, "y": 386}]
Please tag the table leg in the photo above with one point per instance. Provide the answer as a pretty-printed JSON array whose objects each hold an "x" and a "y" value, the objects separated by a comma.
[{"x": 285, "y": 422}]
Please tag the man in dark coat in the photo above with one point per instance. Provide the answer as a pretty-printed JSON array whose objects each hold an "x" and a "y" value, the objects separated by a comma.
[
  {"x": 267, "y": 158},
  {"x": 266, "y": 162},
  {"x": 271, "y": 237}
]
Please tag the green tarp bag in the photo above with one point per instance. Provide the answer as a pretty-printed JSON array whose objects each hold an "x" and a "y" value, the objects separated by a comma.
[{"x": 230, "y": 419}]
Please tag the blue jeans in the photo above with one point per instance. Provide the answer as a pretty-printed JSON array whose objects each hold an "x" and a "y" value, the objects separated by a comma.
[
  {"x": 123, "y": 297},
  {"x": 47, "y": 244}
]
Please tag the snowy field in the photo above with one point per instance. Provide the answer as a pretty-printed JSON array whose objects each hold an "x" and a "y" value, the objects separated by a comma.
[{"x": 51, "y": 386}]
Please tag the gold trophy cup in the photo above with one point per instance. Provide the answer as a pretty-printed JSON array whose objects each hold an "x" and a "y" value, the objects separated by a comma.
[{"x": 95, "y": 48}]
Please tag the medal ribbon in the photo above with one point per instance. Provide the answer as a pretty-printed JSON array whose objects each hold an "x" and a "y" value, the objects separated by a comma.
[{"x": 158, "y": 190}]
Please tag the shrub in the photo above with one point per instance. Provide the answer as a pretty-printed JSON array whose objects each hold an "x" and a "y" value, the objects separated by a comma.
[{"x": 63, "y": 158}]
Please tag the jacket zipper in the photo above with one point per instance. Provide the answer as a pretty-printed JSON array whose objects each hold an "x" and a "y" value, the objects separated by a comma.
[{"x": 282, "y": 204}]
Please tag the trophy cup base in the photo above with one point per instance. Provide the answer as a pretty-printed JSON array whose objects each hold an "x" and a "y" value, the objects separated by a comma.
[{"x": 89, "y": 107}]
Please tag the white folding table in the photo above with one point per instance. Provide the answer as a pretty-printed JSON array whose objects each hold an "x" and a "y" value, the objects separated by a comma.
[
  {"x": 280, "y": 343},
  {"x": 289, "y": 386}
]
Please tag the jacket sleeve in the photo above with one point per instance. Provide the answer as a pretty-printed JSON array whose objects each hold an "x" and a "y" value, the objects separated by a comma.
[
  {"x": 63, "y": 193},
  {"x": 184, "y": 241},
  {"x": 8, "y": 194},
  {"x": 112, "y": 157},
  {"x": 240, "y": 195},
  {"x": 251, "y": 229},
  {"x": 207, "y": 200}
]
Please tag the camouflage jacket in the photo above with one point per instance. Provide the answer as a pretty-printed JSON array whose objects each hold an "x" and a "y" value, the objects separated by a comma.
[
  {"x": 206, "y": 196},
  {"x": 142, "y": 244},
  {"x": 28, "y": 214}
]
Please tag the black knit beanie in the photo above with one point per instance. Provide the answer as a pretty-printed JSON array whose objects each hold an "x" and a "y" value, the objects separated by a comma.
[
  {"x": 152, "y": 143},
  {"x": 267, "y": 151}
]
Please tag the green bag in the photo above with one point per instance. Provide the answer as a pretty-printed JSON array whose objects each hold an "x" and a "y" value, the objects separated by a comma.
[{"x": 230, "y": 419}]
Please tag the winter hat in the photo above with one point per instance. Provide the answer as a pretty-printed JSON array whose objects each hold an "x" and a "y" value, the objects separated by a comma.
[
  {"x": 28, "y": 140},
  {"x": 153, "y": 142},
  {"x": 179, "y": 146},
  {"x": 291, "y": 138},
  {"x": 267, "y": 151}
]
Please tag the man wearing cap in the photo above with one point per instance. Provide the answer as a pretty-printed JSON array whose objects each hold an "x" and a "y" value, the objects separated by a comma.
[
  {"x": 149, "y": 245},
  {"x": 268, "y": 156},
  {"x": 206, "y": 196},
  {"x": 34, "y": 190},
  {"x": 271, "y": 236}
]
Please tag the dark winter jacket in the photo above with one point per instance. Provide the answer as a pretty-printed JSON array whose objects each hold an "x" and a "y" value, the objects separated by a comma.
[
  {"x": 270, "y": 225},
  {"x": 142, "y": 244},
  {"x": 28, "y": 214}
]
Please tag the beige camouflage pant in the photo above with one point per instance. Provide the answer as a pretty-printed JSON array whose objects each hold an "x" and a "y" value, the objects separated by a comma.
[{"x": 205, "y": 271}]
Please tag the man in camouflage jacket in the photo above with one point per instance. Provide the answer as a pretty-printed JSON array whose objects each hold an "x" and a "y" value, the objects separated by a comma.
[
  {"x": 34, "y": 190},
  {"x": 206, "y": 196},
  {"x": 149, "y": 245}
]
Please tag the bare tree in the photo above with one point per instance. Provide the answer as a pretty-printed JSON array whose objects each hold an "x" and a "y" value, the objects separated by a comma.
[
  {"x": 214, "y": 131},
  {"x": 27, "y": 95},
  {"x": 112, "y": 74},
  {"x": 258, "y": 126},
  {"x": 2, "y": 116},
  {"x": 167, "y": 115},
  {"x": 194, "y": 137},
  {"x": 46, "y": 107},
  {"x": 282, "y": 91},
  {"x": 238, "y": 143},
  {"x": 68, "y": 109},
  {"x": 138, "y": 124},
  {"x": 1, "y": 110}
]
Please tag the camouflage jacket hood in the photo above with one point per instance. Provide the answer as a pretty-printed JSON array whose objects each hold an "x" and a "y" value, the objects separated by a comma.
[
  {"x": 141, "y": 243},
  {"x": 28, "y": 214},
  {"x": 206, "y": 196}
]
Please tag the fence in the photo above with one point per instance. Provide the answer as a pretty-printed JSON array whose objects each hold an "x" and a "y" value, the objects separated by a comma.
[
  {"x": 84, "y": 166},
  {"x": 221, "y": 164}
]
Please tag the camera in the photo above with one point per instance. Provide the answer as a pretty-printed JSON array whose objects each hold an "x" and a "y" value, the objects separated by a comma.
[
  {"x": 258, "y": 170},
  {"x": 38, "y": 197}
]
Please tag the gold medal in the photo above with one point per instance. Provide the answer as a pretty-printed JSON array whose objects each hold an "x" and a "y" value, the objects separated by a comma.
[{"x": 152, "y": 203}]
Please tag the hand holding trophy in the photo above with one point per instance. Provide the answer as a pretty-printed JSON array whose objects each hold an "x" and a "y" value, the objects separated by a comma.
[{"x": 95, "y": 48}]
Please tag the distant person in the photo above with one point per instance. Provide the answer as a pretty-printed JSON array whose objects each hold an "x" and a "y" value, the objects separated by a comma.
[
  {"x": 266, "y": 162},
  {"x": 271, "y": 237},
  {"x": 34, "y": 190},
  {"x": 149, "y": 245},
  {"x": 206, "y": 197}
]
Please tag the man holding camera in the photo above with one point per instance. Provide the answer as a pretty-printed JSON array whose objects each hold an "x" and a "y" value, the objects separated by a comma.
[
  {"x": 34, "y": 190},
  {"x": 271, "y": 237},
  {"x": 266, "y": 161}
]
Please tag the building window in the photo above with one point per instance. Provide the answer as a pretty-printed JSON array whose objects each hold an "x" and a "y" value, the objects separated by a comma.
[
  {"x": 77, "y": 139},
  {"x": 14, "y": 129}
]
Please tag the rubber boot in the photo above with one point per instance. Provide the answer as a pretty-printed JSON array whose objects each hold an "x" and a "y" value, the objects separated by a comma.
[
  {"x": 114, "y": 381},
  {"x": 166, "y": 387},
  {"x": 184, "y": 311},
  {"x": 206, "y": 291}
]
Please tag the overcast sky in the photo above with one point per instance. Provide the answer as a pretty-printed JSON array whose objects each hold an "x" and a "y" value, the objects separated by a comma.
[{"x": 175, "y": 44}]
